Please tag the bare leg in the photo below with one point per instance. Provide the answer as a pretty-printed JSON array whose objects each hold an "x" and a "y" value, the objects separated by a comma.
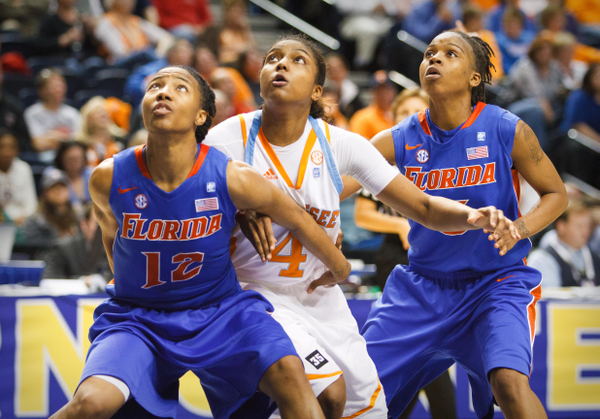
[
  {"x": 515, "y": 398},
  {"x": 333, "y": 399},
  {"x": 285, "y": 382},
  {"x": 95, "y": 399}
]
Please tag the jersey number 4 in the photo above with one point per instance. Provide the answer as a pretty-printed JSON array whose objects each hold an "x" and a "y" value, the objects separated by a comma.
[
  {"x": 295, "y": 258},
  {"x": 182, "y": 272}
]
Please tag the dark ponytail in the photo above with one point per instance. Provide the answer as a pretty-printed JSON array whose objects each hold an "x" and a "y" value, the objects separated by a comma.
[{"x": 207, "y": 96}]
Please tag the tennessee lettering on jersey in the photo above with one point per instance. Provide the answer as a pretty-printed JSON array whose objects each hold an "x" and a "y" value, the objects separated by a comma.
[
  {"x": 324, "y": 218},
  {"x": 137, "y": 228},
  {"x": 449, "y": 178}
]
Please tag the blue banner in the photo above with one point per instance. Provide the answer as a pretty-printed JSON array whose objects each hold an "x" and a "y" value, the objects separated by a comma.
[{"x": 44, "y": 342}]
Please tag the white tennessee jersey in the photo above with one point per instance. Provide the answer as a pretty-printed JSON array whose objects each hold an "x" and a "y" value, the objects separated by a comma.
[{"x": 306, "y": 170}]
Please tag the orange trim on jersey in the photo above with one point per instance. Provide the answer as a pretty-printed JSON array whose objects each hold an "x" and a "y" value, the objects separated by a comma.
[
  {"x": 112, "y": 281},
  {"x": 423, "y": 121},
  {"x": 310, "y": 142},
  {"x": 327, "y": 132},
  {"x": 537, "y": 294},
  {"x": 317, "y": 376},
  {"x": 478, "y": 108},
  {"x": 139, "y": 157},
  {"x": 199, "y": 160},
  {"x": 244, "y": 132},
  {"x": 371, "y": 403}
]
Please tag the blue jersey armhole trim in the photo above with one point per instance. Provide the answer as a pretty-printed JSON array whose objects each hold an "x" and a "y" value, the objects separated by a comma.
[
  {"x": 255, "y": 127},
  {"x": 331, "y": 167}
]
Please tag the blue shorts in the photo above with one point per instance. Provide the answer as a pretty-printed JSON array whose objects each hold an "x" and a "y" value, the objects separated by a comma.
[
  {"x": 421, "y": 326},
  {"x": 229, "y": 346}
]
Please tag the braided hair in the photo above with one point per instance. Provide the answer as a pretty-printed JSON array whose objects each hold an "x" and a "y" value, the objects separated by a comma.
[
  {"x": 207, "y": 97},
  {"x": 320, "y": 107},
  {"x": 482, "y": 64}
]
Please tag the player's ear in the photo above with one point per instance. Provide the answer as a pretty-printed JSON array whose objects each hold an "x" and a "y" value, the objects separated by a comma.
[
  {"x": 200, "y": 117},
  {"x": 475, "y": 79},
  {"x": 317, "y": 92}
]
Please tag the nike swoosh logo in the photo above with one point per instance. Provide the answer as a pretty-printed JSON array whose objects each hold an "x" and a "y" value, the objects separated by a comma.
[
  {"x": 502, "y": 279},
  {"x": 413, "y": 147},
  {"x": 127, "y": 190}
]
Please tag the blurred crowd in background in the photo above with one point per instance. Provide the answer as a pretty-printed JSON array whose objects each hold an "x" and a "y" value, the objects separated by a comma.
[{"x": 73, "y": 73}]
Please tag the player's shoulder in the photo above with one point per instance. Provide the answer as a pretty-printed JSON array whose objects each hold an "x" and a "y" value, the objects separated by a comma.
[
  {"x": 102, "y": 176},
  {"x": 339, "y": 134}
]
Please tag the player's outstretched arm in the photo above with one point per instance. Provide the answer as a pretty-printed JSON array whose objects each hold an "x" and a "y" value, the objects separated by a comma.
[
  {"x": 250, "y": 191},
  {"x": 532, "y": 163},
  {"x": 100, "y": 184}
]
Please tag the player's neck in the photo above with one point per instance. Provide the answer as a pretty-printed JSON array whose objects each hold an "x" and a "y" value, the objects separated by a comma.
[
  {"x": 170, "y": 160},
  {"x": 283, "y": 125},
  {"x": 448, "y": 114}
]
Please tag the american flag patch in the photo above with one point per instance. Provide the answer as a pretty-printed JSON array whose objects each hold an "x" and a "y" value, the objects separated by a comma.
[
  {"x": 207, "y": 204},
  {"x": 477, "y": 152}
]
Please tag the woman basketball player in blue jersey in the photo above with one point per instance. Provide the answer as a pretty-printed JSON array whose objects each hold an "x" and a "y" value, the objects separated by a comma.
[
  {"x": 299, "y": 152},
  {"x": 167, "y": 213},
  {"x": 459, "y": 300}
]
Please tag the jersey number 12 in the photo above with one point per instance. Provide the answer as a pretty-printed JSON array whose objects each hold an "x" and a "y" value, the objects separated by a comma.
[{"x": 182, "y": 272}]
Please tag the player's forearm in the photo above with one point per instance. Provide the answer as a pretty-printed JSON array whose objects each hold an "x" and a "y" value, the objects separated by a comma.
[
  {"x": 544, "y": 212},
  {"x": 446, "y": 215}
]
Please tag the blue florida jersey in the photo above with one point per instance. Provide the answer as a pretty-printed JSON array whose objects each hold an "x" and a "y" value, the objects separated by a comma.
[
  {"x": 471, "y": 164},
  {"x": 171, "y": 250}
]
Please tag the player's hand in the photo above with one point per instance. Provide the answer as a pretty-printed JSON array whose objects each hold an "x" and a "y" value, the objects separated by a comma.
[
  {"x": 486, "y": 218},
  {"x": 506, "y": 235},
  {"x": 329, "y": 279},
  {"x": 339, "y": 240},
  {"x": 258, "y": 229}
]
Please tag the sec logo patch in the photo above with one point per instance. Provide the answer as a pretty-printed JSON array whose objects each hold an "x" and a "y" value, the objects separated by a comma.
[
  {"x": 422, "y": 156},
  {"x": 316, "y": 157},
  {"x": 140, "y": 201}
]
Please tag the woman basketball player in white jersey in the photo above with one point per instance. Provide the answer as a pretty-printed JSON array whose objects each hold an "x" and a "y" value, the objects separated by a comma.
[{"x": 289, "y": 143}]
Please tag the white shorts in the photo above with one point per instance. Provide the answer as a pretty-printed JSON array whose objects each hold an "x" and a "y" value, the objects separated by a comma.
[{"x": 326, "y": 337}]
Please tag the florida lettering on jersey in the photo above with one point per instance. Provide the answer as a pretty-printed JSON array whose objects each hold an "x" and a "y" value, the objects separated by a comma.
[
  {"x": 137, "y": 228},
  {"x": 451, "y": 177}
]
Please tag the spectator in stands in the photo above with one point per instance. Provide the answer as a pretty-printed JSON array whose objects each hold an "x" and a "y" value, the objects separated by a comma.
[
  {"x": 224, "y": 107},
  {"x": 18, "y": 199},
  {"x": 27, "y": 13},
  {"x": 11, "y": 118},
  {"x": 140, "y": 137},
  {"x": 99, "y": 132},
  {"x": 366, "y": 22},
  {"x": 378, "y": 115},
  {"x": 472, "y": 20},
  {"x": 582, "y": 112},
  {"x": 206, "y": 64},
  {"x": 250, "y": 65},
  {"x": 496, "y": 16},
  {"x": 553, "y": 19},
  {"x": 51, "y": 121},
  {"x": 564, "y": 258},
  {"x": 55, "y": 218},
  {"x": 82, "y": 254},
  {"x": 337, "y": 72},
  {"x": 221, "y": 79},
  {"x": 513, "y": 40},
  {"x": 587, "y": 14},
  {"x": 126, "y": 37},
  {"x": 572, "y": 71},
  {"x": 62, "y": 33},
  {"x": 236, "y": 35},
  {"x": 429, "y": 19},
  {"x": 537, "y": 76},
  {"x": 184, "y": 18},
  {"x": 179, "y": 53},
  {"x": 71, "y": 160}
]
